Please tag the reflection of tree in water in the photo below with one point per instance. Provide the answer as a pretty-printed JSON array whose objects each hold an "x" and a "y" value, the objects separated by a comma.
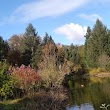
[
  {"x": 93, "y": 93},
  {"x": 80, "y": 76}
]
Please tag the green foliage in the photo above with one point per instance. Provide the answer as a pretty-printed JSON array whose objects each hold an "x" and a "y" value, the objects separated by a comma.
[
  {"x": 3, "y": 73},
  {"x": 31, "y": 42},
  {"x": 7, "y": 89},
  {"x": 3, "y": 49},
  {"x": 96, "y": 44},
  {"x": 72, "y": 54},
  {"x": 6, "y": 82}
]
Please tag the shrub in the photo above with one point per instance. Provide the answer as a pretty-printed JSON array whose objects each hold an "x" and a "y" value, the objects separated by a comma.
[
  {"x": 51, "y": 77},
  {"x": 27, "y": 78},
  {"x": 7, "y": 90},
  {"x": 103, "y": 61},
  {"x": 6, "y": 82},
  {"x": 3, "y": 73}
]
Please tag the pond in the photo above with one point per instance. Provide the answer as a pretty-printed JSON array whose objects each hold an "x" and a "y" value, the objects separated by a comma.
[{"x": 89, "y": 95}]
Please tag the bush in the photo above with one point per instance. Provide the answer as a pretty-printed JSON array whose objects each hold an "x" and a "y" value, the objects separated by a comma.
[
  {"x": 3, "y": 73},
  {"x": 51, "y": 77},
  {"x": 7, "y": 90},
  {"x": 27, "y": 78},
  {"x": 6, "y": 82},
  {"x": 103, "y": 61}
]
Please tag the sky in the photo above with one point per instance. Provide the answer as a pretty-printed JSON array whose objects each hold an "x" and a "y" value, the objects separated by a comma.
[{"x": 65, "y": 20}]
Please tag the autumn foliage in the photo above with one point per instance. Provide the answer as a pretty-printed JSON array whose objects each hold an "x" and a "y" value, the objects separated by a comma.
[{"x": 27, "y": 77}]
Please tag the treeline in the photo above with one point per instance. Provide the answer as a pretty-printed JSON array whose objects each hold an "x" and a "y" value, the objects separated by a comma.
[
  {"x": 29, "y": 63},
  {"x": 31, "y": 49}
]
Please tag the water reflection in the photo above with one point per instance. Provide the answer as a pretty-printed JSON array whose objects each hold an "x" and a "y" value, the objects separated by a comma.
[
  {"x": 85, "y": 106},
  {"x": 90, "y": 96}
]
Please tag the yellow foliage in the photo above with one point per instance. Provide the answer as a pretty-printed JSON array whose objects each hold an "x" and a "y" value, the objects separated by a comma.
[{"x": 96, "y": 71}]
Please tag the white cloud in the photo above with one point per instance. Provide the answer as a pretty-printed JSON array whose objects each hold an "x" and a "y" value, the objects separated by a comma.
[
  {"x": 44, "y": 8},
  {"x": 37, "y": 9},
  {"x": 73, "y": 32},
  {"x": 91, "y": 17}
]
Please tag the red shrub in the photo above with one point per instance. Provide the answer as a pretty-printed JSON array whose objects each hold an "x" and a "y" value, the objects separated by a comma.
[{"x": 26, "y": 76}]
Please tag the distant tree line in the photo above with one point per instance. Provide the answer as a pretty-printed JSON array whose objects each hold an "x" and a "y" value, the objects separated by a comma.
[{"x": 31, "y": 49}]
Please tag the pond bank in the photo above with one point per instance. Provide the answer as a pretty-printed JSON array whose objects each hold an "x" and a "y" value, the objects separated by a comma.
[
  {"x": 51, "y": 100},
  {"x": 101, "y": 75}
]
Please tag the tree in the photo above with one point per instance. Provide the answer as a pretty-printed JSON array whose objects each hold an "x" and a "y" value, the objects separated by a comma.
[
  {"x": 108, "y": 53},
  {"x": 15, "y": 42},
  {"x": 103, "y": 61},
  {"x": 14, "y": 57},
  {"x": 100, "y": 37},
  {"x": 49, "y": 51},
  {"x": 31, "y": 41},
  {"x": 45, "y": 39},
  {"x": 14, "y": 54},
  {"x": 3, "y": 49},
  {"x": 96, "y": 43},
  {"x": 72, "y": 53},
  {"x": 88, "y": 49},
  {"x": 60, "y": 56}
]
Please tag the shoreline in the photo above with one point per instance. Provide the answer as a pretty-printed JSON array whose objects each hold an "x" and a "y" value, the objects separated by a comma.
[
  {"x": 101, "y": 75},
  {"x": 55, "y": 99}
]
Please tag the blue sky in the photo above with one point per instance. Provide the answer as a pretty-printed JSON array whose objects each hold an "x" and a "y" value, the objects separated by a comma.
[{"x": 65, "y": 20}]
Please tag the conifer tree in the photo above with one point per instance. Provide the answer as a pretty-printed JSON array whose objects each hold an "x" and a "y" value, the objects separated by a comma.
[
  {"x": 31, "y": 41},
  {"x": 96, "y": 43},
  {"x": 3, "y": 49}
]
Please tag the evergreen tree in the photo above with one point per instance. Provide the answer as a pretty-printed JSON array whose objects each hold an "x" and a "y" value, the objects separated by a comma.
[
  {"x": 88, "y": 49},
  {"x": 45, "y": 39},
  {"x": 100, "y": 37},
  {"x": 3, "y": 49},
  {"x": 96, "y": 43},
  {"x": 108, "y": 53},
  {"x": 31, "y": 42}
]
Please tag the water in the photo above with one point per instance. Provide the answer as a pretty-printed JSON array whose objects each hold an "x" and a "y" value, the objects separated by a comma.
[
  {"x": 85, "y": 106},
  {"x": 89, "y": 95}
]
